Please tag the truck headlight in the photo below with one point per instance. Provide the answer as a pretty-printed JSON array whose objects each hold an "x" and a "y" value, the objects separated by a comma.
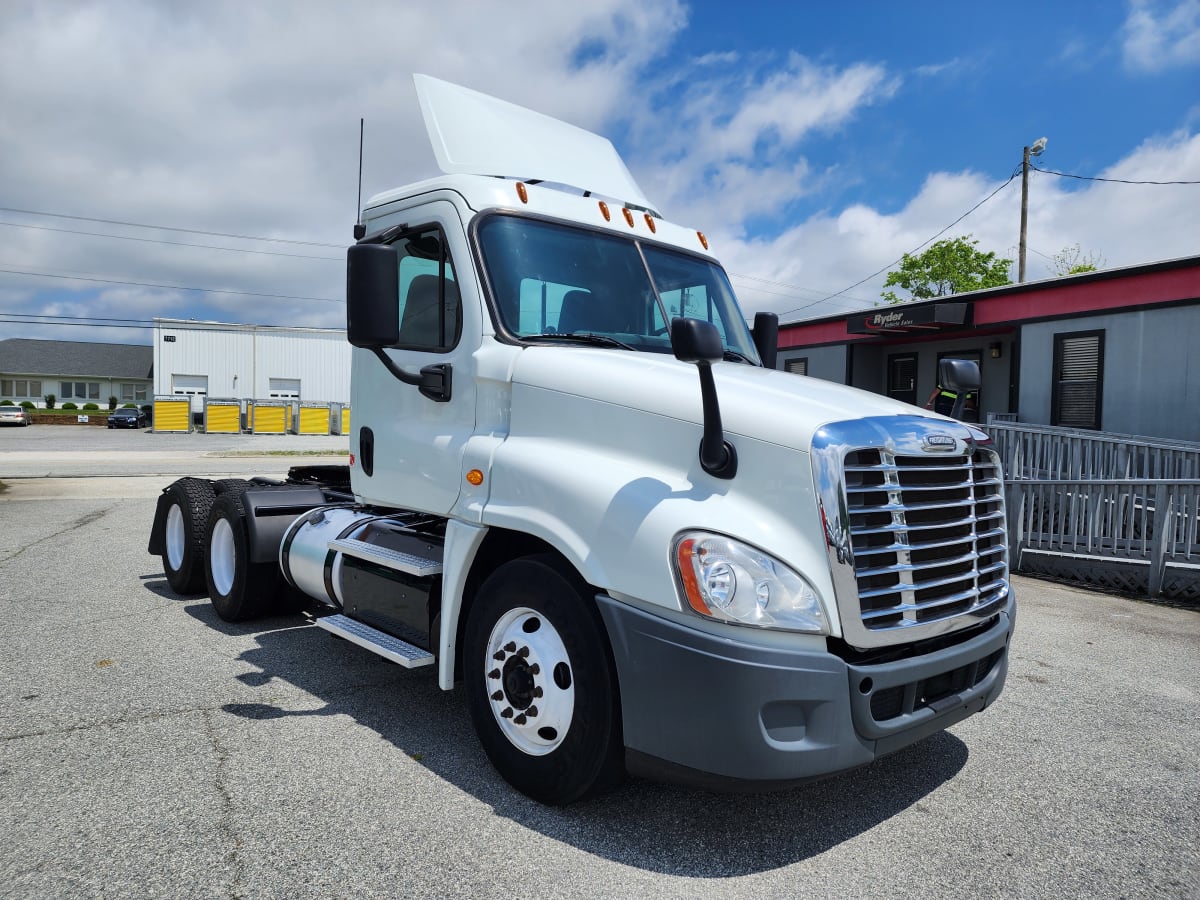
[{"x": 729, "y": 581}]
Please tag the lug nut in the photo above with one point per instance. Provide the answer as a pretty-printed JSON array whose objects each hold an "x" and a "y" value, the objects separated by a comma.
[
  {"x": 499, "y": 695},
  {"x": 537, "y": 692},
  {"x": 510, "y": 646},
  {"x": 506, "y": 713},
  {"x": 519, "y": 720},
  {"x": 531, "y": 712},
  {"x": 535, "y": 669},
  {"x": 523, "y": 653},
  {"x": 495, "y": 673},
  {"x": 498, "y": 655}
]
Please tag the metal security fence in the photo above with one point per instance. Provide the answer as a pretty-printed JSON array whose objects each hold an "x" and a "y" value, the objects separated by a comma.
[
  {"x": 1111, "y": 511},
  {"x": 1131, "y": 535},
  {"x": 1044, "y": 451}
]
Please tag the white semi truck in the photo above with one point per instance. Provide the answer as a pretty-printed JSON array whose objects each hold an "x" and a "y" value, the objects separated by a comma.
[{"x": 578, "y": 487}]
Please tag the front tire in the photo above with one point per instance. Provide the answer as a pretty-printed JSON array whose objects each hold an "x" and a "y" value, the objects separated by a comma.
[
  {"x": 540, "y": 682},
  {"x": 183, "y": 534},
  {"x": 240, "y": 589}
]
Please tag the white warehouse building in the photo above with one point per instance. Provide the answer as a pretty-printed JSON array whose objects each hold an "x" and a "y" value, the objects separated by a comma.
[{"x": 250, "y": 362}]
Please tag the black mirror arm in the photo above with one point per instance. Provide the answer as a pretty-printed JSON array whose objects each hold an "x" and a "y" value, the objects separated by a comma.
[
  {"x": 433, "y": 381},
  {"x": 717, "y": 456}
]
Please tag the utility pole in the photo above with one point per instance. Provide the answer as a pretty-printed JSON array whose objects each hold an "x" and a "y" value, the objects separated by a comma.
[
  {"x": 1024, "y": 216},
  {"x": 1036, "y": 150}
]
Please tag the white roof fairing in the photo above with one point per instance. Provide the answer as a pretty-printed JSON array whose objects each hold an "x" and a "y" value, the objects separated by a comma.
[{"x": 474, "y": 134}]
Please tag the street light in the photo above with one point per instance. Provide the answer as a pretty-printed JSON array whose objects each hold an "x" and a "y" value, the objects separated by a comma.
[{"x": 1036, "y": 150}]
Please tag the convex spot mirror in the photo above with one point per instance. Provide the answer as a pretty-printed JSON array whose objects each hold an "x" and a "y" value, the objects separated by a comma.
[
  {"x": 695, "y": 340},
  {"x": 959, "y": 375}
]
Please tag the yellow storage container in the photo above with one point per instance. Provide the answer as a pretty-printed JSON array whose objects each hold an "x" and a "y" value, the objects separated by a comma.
[
  {"x": 313, "y": 419},
  {"x": 172, "y": 414},
  {"x": 269, "y": 418},
  {"x": 345, "y": 420},
  {"x": 222, "y": 416}
]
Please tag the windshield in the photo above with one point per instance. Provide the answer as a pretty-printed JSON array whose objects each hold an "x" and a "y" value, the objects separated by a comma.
[{"x": 551, "y": 280}]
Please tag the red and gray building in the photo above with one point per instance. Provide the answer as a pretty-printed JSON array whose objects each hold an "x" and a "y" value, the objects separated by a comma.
[{"x": 1116, "y": 350}]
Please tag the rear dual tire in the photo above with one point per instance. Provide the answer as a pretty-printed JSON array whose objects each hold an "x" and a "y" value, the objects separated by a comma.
[
  {"x": 184, "y": 525},
  {"x": 239, "y": 588}
]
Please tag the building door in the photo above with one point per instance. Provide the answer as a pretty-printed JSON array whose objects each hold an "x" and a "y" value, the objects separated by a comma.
[
  {"x": 284, "y": 388},
  {"x": 902, "y": 377},
  {"x": 193, "y": 386}
]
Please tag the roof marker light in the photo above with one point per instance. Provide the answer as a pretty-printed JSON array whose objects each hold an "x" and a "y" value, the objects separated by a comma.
[
  {"x": 522, "y": 192},
  {"x": 650, "y": 223},
  {"x": 628, "y": 215},
  {"x": 703, "y": 239},
  {"x": 604, "y": 211},
  {"x": 475, "y": 477}
]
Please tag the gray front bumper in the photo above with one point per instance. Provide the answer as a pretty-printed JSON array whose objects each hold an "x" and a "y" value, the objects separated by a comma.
[{"x": 729, "y": 713}]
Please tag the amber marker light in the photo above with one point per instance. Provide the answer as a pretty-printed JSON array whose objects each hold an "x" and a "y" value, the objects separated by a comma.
[
  {"x": 604, "y": 211},
  {"x": 687, "y": 572},
  {"x": 475, "y": 477},
  {"x": 703, "y": 239},
  {"x": 650, "y": 223},
  {"x": 522, "y": 192},
  {"x": 628, "y": 215}
]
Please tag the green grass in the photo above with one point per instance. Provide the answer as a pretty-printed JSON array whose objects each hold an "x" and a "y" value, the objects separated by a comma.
[{"x": 280, "y": 453}]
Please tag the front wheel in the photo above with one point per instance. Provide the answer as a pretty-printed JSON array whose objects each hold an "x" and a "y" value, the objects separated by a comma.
[{"x": 540, "y": 682}]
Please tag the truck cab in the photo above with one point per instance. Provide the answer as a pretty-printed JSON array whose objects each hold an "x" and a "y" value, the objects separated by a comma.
[{"x": 577, "y": 491}]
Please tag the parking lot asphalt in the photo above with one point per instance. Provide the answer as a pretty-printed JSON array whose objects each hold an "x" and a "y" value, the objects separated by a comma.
[{"x": 149, "y": 749}]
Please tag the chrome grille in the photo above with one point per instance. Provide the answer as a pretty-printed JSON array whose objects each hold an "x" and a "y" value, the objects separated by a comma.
[
  {"x": 926, "y": 533},
  {"x": 912, "y": 510}
]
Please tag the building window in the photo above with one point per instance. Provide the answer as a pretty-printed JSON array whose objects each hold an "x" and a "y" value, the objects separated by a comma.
[
  {"x": 20, "y": 387},
  {"x": 133, "y": 393},
  {"x": 1078, "y": 379},
  {"x": 796, "y": 366},
  {"x": 79, "y": 390}
]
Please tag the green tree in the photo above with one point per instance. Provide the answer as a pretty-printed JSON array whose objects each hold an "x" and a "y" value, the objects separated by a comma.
[
  {"x": 1072, "y": 261},
  {"x": 947, "y": 267}
]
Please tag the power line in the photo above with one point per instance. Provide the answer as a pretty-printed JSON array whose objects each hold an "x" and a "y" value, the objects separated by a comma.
[
  {"x": 170, "y": 287},
  {"x": 1108, "y": 180},
  {"x": 240, "y": 237},
  {"x": 135, "y": 324},
  {"x": 130, "y": 237},
  {"x": 914, "y": 249}
]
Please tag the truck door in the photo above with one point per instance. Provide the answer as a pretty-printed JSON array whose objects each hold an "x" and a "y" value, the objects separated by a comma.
[{"x": 409, "y": 447}]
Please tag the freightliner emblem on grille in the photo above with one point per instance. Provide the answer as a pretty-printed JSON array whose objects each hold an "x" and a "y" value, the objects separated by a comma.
[{"x": 940, "y": 442}]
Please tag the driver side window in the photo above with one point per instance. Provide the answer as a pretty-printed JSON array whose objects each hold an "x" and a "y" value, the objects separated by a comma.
[{"x": 430, "y": 304}]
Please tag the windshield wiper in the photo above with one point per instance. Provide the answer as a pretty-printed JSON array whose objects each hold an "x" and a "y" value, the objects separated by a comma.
[
  {"x": 580, "y": 337},
  {"x": 736, "y": 356}
]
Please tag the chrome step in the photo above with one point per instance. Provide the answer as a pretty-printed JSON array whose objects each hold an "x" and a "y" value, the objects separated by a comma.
[
  {"x": 376, "y": 641},
  {"x": 391, "y": 559}
]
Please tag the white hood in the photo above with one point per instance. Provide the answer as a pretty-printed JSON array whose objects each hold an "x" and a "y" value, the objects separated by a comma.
[{"x": 765, "y": 404}]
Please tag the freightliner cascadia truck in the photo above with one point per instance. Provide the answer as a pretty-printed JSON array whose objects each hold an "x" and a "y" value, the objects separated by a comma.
[{"x": 578, "y": 488}]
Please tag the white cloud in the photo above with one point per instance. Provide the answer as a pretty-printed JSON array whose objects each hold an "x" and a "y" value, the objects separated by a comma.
[
  {"x": 1161, "y": 35},
  {"x": 243, "y": 118},
  {"x": 795, "y": 272},
  {"x": 737, "y": 134}
]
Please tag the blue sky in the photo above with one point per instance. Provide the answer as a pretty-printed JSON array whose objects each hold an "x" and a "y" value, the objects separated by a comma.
[{"x": 814, "y": 143}]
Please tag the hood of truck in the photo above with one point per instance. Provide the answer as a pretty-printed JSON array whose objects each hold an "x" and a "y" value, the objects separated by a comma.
[{"x": 765, "y": 404}]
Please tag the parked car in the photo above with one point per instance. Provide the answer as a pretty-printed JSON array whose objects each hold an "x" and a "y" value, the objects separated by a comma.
[
  {"x": 15, "y": 415},
  {"x": 128, "y": 418}
]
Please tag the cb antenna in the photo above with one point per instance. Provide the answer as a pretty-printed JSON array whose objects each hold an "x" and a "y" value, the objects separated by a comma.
[{"x": 359, "y": 228}]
